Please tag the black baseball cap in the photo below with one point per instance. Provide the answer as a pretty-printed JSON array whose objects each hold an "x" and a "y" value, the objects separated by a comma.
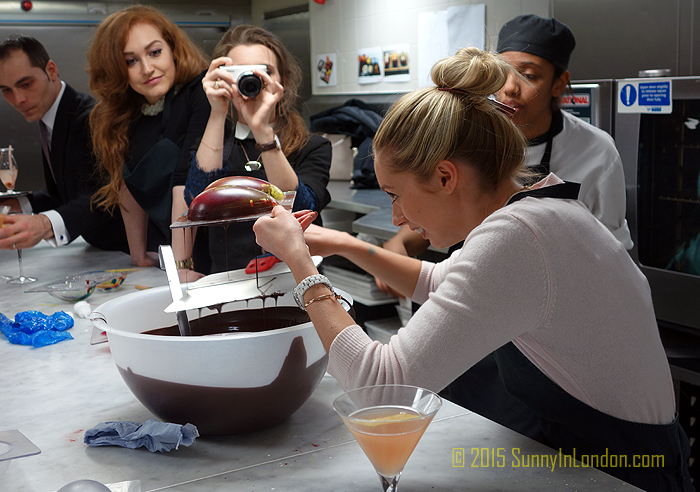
[{"x": 547, "y": 38}]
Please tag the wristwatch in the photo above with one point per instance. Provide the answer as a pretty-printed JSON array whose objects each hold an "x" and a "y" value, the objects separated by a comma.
[
  {"x": 275, "y": 144},
  {"x": 303, "y": 286}
]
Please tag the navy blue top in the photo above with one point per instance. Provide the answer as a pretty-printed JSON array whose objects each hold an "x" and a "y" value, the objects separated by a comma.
[{"x": 232, "y": 247}]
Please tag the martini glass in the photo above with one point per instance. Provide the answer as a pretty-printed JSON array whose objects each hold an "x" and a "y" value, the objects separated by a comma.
[{"x": 388, "y": 421}]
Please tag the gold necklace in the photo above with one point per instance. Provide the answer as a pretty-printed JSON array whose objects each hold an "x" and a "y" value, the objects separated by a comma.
[{"x": 251, "y": 165}]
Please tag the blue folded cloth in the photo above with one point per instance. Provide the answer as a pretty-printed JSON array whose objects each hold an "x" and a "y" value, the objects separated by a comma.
[{"x": 152, "y": 434}]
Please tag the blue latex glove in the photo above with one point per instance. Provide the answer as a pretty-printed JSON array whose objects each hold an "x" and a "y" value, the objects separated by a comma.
[
  {"x": 36, "y": 329},
  {"x": 152, "y": 434}
]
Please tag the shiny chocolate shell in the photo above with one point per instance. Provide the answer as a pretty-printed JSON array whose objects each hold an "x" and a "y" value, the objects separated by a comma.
[
  {"x": 230, "y": 203},
  {"x": 249, "y": 182}
]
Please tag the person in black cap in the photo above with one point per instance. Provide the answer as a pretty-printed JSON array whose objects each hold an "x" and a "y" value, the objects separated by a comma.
[{"x": 539, "y": 49}]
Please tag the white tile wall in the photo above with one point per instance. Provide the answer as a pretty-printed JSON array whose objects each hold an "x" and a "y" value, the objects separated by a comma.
[{"x": 344, "y": 26}]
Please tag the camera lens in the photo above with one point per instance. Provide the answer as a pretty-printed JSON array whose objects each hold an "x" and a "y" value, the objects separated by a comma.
[{"x": 249, "y": 84}]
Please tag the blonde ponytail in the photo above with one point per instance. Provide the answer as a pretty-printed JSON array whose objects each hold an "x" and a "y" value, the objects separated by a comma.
[{"x": 454, "y": 120}]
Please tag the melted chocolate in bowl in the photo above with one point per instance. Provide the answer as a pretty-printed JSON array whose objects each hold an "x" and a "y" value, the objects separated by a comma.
[
  {"x": 226, "y": 411},
  {"x": 244, "y": 320}
]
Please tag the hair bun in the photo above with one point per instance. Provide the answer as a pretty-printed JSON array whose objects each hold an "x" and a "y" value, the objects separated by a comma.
[{"x": 471, "y": 70}]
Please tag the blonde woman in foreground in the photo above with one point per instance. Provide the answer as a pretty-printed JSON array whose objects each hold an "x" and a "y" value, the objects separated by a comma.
[{"x": 539, "y": 280}]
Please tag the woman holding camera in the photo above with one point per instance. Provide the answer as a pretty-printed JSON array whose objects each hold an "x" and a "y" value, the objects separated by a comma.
[
  {"x": 145, "y": 73},
  {"x": 260, "y": 135}
]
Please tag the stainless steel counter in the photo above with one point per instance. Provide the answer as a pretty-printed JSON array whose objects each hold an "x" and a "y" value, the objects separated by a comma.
[
  {"x": 53, "y": 394},
  {"x": 360, "y": 201},
  {"x": 375, "y": 205},
  {"x": 376, "y": 223}
]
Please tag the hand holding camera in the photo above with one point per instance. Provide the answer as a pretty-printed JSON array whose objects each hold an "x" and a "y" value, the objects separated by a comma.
[
  {"x": 249, "y": 84},
  {"x": 252, "y": 88}
]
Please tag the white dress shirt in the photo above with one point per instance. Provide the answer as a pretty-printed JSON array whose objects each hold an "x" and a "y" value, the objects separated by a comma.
[{"x": 60, "y": 233}]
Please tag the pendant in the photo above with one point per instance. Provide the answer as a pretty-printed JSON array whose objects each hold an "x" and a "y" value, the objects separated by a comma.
[{"x": 252, "y": 166}]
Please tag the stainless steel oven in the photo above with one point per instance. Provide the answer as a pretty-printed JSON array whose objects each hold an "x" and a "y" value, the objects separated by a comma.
[
  {"x": 661, "y": 156},
  {"x": 592, "y": 101}
]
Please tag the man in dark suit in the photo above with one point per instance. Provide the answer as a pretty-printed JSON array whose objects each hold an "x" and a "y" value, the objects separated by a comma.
[{"x": 29, "y": 81}]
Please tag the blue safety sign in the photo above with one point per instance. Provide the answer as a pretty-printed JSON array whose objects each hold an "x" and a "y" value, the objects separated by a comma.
[
  {"x": 628, "y": 95},
  {"x": 644, "y": 96}
]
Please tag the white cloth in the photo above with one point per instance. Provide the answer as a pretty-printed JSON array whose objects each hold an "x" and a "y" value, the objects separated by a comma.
[
  {"x": 585, "y": 154},
  {"x": 60, "y": 233},
  {"x": 545, "y": 274}
]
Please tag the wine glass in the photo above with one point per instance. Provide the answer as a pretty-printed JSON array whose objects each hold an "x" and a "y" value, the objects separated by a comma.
[
  {"x": 21, "y": 279},
  {"x": 388, "y": 421},
  {"x": 4, "y": 210},
  {"x": 8, "y": 169},
  {"x": 8, "y": 175}
]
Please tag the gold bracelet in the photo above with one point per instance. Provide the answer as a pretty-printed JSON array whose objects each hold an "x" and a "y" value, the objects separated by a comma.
[
  {"x": 325, "y": 296},
  {"x": 215, "y": 149},
  {"x": 185, "y": 264}
]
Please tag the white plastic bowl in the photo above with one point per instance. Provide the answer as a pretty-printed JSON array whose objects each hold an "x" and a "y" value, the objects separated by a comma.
[{"x": 224, "y": 384}]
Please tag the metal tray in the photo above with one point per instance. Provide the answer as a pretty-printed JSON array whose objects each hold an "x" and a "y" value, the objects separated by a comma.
[
  {"x": 13, "y": 444},
  {"x": 236, "y": 285},
  {"x": 10, "y": 194}
]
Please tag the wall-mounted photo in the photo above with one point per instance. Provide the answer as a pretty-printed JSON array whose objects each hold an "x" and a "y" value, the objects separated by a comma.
[
  {"x": 326, "y": 70},
  {"x": 396, "y": 63},
  {"x": 370, "y": 66}
]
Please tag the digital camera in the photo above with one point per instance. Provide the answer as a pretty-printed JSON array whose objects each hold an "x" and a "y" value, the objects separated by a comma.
[{"x": 247, "y": 82}]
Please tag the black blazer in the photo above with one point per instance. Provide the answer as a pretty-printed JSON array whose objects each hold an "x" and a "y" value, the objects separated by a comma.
[{"x": 74, "y": 179}]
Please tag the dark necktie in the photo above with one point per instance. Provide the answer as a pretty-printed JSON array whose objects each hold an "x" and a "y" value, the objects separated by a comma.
[{"x": 46, "y": 144}]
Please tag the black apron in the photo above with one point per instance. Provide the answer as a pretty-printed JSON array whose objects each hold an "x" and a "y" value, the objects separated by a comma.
[
  {"x": 151, "y": 180},
  {"x": 481, "y": 389},
  {"x": 555, "y": 127},
  {"x": 574, "y": 427}
]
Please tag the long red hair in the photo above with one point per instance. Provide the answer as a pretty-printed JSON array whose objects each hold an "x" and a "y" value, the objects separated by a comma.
[{"x": 117, "y": 103}]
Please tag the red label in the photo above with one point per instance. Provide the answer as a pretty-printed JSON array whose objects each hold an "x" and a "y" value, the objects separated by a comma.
[{"x": 576, "y": 100}]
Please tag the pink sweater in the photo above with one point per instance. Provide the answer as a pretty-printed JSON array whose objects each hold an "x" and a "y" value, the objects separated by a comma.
[{"x": 545, "y": 274}]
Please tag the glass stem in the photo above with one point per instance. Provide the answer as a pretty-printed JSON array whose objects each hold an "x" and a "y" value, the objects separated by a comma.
[
  {"x": 389, "y": 484},
  {"x": 19, "y": 257}
]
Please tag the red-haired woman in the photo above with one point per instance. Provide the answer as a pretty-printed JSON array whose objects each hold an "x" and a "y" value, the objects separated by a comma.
[{"x": 146, "y": 75}]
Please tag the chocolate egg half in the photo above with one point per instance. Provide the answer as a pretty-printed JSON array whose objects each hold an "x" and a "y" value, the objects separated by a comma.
[
  {"x": 229, "y": 203},
  {"x": 249, "y": 182}
]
